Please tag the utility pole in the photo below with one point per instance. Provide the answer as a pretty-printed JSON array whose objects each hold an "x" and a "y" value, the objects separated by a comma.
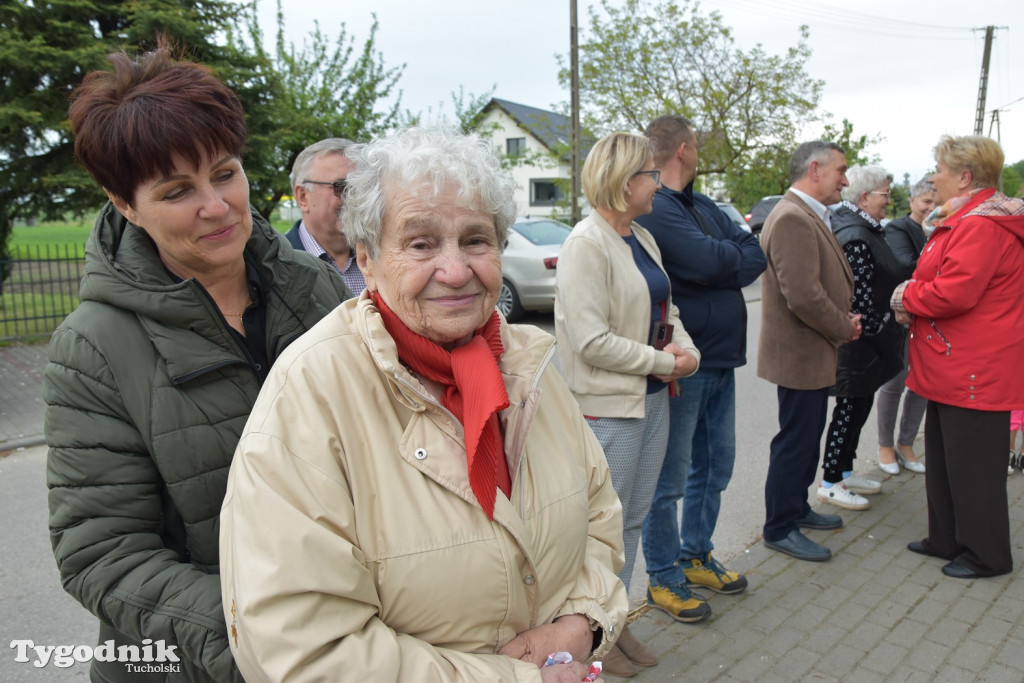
[
  {"x": 994, "y": 123},
  {"x": 979, "y": 117},
  {"x": 574, "y": 136}
]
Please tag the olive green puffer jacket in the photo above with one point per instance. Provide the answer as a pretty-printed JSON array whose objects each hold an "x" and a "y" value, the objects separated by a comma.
[{"x": 147, "y": 394}]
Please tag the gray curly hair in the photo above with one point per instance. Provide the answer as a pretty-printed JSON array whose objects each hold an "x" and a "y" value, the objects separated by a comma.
[
  {"x": 864, "y": 179},
  {"x": 424, "y": 159}
]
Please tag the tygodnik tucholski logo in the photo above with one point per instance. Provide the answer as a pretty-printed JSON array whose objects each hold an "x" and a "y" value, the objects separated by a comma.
[{"x": 152, "y": 657}]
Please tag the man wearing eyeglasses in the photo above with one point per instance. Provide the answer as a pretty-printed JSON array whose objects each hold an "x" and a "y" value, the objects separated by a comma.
[
  {"x": 318, "y": 181},
  {"x": 709, "y": 259}
]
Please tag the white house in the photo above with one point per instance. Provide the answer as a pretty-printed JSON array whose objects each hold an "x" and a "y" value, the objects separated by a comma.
[{"x": 541, "y": 138}]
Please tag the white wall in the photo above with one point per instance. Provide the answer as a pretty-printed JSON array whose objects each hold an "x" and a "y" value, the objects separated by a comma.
[{"x": 551, "y": 168}]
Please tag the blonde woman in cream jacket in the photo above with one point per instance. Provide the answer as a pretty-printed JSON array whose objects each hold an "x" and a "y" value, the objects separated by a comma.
[{"x": 613, "y": 306}]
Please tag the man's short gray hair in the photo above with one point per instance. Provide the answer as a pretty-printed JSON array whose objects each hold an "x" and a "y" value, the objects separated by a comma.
[
  {"x": 427, "y": 161},
  {"x": 302, "y": 162},
  {"x": 864, "y": 179},
  {"x": 922, "y": 186},
  {"x": 815, "y": 150}
]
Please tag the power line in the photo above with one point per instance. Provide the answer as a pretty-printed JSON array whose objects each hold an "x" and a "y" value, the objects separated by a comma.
[{"x": 818, "y": 16}]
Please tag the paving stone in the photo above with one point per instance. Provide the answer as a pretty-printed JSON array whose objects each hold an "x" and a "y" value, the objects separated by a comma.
[{"x": 875, "y": 612}]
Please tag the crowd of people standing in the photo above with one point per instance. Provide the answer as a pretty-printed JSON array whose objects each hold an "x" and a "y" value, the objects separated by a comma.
[{"x": 326, "y": 456}]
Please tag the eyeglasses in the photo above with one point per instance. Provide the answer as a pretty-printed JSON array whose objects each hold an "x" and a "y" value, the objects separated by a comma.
[
  {"x": 338, "y": 185},
  {"x": 655, "y": 175},
  {"x": 887, "y": 194}
]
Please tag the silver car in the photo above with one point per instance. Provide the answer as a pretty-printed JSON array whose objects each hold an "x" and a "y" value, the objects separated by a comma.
[
  {"x": 734, "y": 215},
  {"x": 528, "y": 266}
]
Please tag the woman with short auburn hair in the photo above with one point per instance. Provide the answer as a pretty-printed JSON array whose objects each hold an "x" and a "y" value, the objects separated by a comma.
[
  {"x": 622, "y": 344},
  {"x": 963, "y": 305},
  {"x": 188, "y": 298}
]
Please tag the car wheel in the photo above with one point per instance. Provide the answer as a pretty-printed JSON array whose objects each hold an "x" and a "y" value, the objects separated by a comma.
[{"x": 508, "y": 302}]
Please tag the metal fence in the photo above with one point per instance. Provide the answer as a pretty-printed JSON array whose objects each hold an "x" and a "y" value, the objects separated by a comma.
[{"x": 38, "y": 289}]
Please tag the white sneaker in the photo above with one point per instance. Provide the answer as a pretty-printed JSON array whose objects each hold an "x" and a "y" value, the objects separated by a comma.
[
  {"x": 843, "y": 497},
  {"x": 863, "y": 485}
]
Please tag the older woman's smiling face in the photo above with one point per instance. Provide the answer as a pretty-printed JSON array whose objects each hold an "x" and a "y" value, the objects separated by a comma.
[{"x": 438, "y": 266}]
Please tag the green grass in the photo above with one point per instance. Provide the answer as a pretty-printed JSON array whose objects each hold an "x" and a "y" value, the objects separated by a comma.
[
  {"x": 25, "y": 240},
  {"x": 30, "y": 311},
  {"x": 28, "y": 317}
]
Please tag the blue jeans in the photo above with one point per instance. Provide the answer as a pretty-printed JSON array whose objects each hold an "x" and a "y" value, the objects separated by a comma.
[{"x": 697, "y": 468}]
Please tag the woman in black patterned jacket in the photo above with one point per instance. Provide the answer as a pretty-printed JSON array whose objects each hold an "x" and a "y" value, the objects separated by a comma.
[{"x": 867, "y": 363}]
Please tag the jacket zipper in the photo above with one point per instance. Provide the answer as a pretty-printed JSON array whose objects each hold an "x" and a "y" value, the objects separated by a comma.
[{"x": 945, "y": 341}]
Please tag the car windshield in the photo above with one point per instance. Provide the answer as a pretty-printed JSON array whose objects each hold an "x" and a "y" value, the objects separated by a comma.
[{"x": 543, "y": 232}]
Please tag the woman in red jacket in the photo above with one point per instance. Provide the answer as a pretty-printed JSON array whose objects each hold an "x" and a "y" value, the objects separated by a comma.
[{"x": 966, "y": 341}]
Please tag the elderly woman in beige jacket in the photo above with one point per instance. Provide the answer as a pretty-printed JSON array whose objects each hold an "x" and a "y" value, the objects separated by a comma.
[
  {"x": 620, "y": 340},
  {"x": 416, "y": 496}
]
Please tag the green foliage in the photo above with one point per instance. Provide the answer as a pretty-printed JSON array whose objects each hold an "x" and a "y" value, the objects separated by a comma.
[
  {"x": 327, "y": 88},
  {"x": 766, "y": 171},
  {"x": 1013, "y": 179},
  {"x": 900, "y": 201},
  {"x": 855, "y": 145},
  {"x": 469, "y": 108},
  {"x": 291, "y": 98},
  {"x": 45, "y": 50},
  {"x": 642, "y": 60}
]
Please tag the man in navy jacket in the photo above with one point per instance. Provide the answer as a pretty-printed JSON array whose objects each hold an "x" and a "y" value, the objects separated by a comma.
[{"x": 708, "y": 259}]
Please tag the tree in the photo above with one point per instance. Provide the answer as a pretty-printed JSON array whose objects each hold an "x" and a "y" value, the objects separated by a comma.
[
  {"x": 766, "y": 171},
  {"x": 643, "y": 60},
  {"x": 323, "y": 89},
  {"x": 1013, "y": 179},
  {"x": 468, "y": 108},
  {"x": 854, "y": 145},
  {"x": 45, "y": 50},
  {"x": 291, "y": 99}
]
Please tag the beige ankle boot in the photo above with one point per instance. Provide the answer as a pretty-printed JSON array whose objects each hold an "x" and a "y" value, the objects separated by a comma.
[
  {"x": 615, "y": 663},
  {"x": 635, "y": 651}
]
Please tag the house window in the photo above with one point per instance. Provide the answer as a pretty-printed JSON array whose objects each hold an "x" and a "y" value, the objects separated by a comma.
[
  {"x": 515, "y": 147},
  {"x": 546, "y": 191}
]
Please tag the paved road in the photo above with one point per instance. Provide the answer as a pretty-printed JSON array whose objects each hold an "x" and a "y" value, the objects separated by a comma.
[
  {"x": 874, "y": 613},
  {"x": 32, "y": 603}
]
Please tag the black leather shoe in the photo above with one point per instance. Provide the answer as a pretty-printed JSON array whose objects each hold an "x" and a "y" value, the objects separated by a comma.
[
  {"x": 920, "y": 548},
  {"x": 799, "y": 546},
  {"x": 814, "y": 520},
  {"x": 958, "y": 571}
]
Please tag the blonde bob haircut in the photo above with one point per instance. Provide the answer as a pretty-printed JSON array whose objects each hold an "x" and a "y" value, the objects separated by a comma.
[
  {"x": 609, "y": 166},
  {"x": 982, "y": 156}
]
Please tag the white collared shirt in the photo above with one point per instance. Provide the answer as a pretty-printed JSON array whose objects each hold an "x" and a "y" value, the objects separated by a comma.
[{"x": 816, "y": 206}]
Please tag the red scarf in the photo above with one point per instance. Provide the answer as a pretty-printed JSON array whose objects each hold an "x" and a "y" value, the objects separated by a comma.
[{"x": 474, "y": 392}]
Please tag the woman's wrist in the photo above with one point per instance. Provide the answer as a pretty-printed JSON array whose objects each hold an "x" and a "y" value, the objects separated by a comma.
[{"x": 579, "y": 635}]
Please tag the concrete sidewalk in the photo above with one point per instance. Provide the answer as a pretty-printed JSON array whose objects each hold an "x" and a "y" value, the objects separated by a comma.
[
  {"x": 875, "y": 612},
  {"x": 21, "y": 396}
]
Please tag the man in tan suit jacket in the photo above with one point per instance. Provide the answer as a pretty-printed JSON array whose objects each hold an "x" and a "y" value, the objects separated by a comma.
[{"x": 806, "y": 294}]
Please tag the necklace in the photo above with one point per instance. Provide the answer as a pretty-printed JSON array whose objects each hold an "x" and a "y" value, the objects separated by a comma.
[{"x": 248, "y": 302}]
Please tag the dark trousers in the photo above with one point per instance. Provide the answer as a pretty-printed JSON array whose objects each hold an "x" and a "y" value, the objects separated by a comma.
[
  {"x": 968, "y": 515},
  {"x": 848, "y": 418},
  {"x": 794, "y": 458}
]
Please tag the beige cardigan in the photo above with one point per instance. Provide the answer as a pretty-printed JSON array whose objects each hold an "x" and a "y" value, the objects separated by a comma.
[{"x": 603, "y": 318}]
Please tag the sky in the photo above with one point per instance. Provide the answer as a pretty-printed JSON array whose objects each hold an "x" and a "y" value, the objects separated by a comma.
[{"x": 906, "y": 71}]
